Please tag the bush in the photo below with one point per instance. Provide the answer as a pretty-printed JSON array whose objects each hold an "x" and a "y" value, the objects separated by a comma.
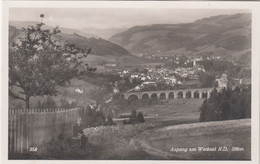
[
  {"x": 74, "y": 104},
  {"x": 140, "y": 117},
  {"x": 93, "y": 117},
  {"x": 48, "y": 103},
  {"x": 64, "y": 103},
  {"x": 206, "y": 79}
]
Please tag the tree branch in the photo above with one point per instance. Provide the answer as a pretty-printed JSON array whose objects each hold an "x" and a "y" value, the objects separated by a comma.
[
  {"x": 15, "y": 96},
  {"x": 15, "y": 85}
]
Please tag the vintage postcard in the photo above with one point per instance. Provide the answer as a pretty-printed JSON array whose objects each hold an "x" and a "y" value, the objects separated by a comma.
[{"x": 132, "y": 81}]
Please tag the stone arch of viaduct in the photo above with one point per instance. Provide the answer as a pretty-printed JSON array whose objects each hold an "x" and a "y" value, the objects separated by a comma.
[{"x": 170, "y": 94}]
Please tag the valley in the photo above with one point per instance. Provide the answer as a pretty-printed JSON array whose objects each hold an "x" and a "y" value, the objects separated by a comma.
[{"x": 138, "y": 92}]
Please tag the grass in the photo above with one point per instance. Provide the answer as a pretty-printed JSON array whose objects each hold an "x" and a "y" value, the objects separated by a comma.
[
  {"x": 167, "y": 112},
  {"x": 67, "y": 92},
  {"x": 121, "y": 61},
  {"x": 232, "y": 133},
  {"x": 114, "y": 142}
]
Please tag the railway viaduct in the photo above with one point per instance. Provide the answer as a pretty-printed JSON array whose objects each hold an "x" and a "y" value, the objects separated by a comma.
[{"x": 169, "y": 94}]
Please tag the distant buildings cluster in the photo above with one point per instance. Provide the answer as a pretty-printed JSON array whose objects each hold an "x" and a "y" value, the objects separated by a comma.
[
  {"x": 153, "y": 76},
  {"x": 186, "y": 70}
]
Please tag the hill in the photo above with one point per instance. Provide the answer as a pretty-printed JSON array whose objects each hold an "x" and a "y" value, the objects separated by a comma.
[
  {"x": 220, "y": 35},
  {"x": 99, "y": 46},
  {"x": 103, "y": 33},
  {"x": 102, "y": 51},
  {"x": 23, "y": 24}
]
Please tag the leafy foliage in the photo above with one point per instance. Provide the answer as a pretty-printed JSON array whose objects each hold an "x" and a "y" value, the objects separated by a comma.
[
  {"x": 98, "y": 95},
  {"x": 182, "y": 62},
  {"x": 93, "y": 117},
  {"x": 227, "y": 105},
  {"x": 64, "y": 103},
  {"x": 140, "y": 117},
  {"x": 206, "y": 79},
  {"x": 47, "y": 104},
  {"x": 39, "y": 62},
  {"x": 218, "y": 67}
]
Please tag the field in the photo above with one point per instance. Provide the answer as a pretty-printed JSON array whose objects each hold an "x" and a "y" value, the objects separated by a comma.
[
  {"x": 167, "y": 141},
  {"x": 95, "y": 60},
  {"x": 167, "y": 112}
]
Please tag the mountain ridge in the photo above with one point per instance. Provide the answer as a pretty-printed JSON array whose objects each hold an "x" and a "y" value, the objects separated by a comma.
[
  {"x": 23, "y": 24},
  {"x": 229, "y": 34},
  {"x": 99, "y": 46}
]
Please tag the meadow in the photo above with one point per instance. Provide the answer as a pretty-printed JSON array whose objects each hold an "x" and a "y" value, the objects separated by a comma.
[
  {"x": 114, "y": 142},
  {"x": 167, "y": 111},
  {"x": 232, "y": 136}
]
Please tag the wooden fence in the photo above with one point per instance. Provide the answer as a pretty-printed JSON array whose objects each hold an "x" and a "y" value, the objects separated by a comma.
[{"x": 29, "y": 128}]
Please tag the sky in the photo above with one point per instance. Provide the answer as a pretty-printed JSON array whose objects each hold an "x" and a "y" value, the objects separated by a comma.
[{"x": 114, "y": 17}]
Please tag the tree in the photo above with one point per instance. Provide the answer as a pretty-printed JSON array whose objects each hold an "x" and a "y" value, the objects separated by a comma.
[
  {"x": 140, "y": 117},
  {"x": 227, "y": 105},
  {"x": 39, "y": 63},
  {"x": 183, "y": 59},
  {"x": 206, "y": 79},
  {"x": 92, "y": 117},
  {"x": 132, "y": 119},
  {"x": 98, "y": 95},
  {"x": 133, "y": 113}
]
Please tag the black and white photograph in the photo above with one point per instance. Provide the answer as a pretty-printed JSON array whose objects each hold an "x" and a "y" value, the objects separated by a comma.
[{"x": 130, "y": 83}]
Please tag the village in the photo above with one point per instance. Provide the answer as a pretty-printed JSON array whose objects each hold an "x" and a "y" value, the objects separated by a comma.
[{"x": 161, "y": 77}]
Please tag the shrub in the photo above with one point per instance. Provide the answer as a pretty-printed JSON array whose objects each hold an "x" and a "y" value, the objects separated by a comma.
[
  {"x": 93, "y": 117},
  {"x": 140, "y": 117},
  {"x": 48, "y": 103},
  {"x": 74, "y": 104},
  {"x": 64, "y": 103}
]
